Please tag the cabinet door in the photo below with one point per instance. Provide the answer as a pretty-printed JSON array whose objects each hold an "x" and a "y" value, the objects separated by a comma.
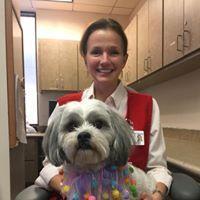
[
  {"x": 155, "y": 35},
  {"x": 142, "y": 40},
  {"x": 48, "y": 58},
  {"x": 191, "y": 25},
  {"x": 84, "y": 78},
  {"x": 68, "y": 65},
  {"x": 173, "y": 30},
  {"x": 129, "y": 71}
]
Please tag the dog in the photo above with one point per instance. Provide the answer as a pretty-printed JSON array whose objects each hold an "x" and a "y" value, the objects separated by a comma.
[{"x": 92, "y": 142}]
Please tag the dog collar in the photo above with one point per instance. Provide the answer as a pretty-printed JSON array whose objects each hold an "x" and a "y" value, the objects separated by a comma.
[{"x": 108, "y": 183}]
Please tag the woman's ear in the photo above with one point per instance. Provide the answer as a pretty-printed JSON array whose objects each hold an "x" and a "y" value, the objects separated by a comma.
[
  {"x": 125, "y": 60},
  {"x": 85, "y": 60}
]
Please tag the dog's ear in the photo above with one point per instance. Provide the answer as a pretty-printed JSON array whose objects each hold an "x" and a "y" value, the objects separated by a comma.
[
  {"x": 119, "y": 152},
  {"x": 50, "y": 141}
]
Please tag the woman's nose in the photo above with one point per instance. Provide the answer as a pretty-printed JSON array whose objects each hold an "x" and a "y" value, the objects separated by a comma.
[{"x": 105, "y": 58}]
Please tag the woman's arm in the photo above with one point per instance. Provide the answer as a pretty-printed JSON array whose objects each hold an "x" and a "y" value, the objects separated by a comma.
[{"x": 157, "y": 165}]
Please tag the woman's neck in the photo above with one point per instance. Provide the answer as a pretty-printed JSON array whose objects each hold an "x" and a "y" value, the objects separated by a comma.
[{"x": 103, "y": 91}]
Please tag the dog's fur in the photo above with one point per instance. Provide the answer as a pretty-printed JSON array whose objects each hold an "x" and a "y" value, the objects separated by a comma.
[{"x": 86, "y": 135}]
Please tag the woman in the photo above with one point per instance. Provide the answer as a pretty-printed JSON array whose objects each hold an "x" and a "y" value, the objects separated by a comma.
[{"x": 104, "y": 49}]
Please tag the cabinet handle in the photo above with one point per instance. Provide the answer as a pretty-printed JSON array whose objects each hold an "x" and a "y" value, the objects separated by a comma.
[
  {"x": 186, "y": 33},
  {"x": 178, "y": 37},
  {"x": 149, "y": 64},
  {"x": 145, "y": 67},
  {"x": 57, "y": 85}
]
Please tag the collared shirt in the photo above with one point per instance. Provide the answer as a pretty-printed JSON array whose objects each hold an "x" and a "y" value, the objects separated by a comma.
[
  {"x": 118, "y": 99},
  {"x": 156, "y": 165}
]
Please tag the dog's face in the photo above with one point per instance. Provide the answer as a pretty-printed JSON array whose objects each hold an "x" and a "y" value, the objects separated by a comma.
[{"x": 87, "y": 133}]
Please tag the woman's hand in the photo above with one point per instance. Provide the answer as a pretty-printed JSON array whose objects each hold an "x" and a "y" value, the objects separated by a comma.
[
  {"x": 158, "y": 194},
  {"x": 155, "y": 196},
  {"x": 56, "y": 182}
]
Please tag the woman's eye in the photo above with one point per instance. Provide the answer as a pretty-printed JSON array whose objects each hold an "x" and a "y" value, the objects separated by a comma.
[
  {"x": 98, "y": 124},
  {"x": 71, "y": 126},
  {"x": 114, "y": 53},
  {"x": 96, "y": 52}
]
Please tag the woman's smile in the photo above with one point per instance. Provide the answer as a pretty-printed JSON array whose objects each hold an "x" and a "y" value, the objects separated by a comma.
[{"x": 104, "y": 70}]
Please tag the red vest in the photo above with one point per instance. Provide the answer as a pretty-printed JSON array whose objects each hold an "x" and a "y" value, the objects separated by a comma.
[{"x": 139, "y": 112}]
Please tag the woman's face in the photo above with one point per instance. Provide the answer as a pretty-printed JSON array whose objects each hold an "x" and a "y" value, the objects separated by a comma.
[{"x": 105, "y": 59}]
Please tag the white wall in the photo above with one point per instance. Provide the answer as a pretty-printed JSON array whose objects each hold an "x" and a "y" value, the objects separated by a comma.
[
  {"x": 4, "y": 135},
  {"x": 67, "y": 25},
  {"x": 179, "y": 101}
]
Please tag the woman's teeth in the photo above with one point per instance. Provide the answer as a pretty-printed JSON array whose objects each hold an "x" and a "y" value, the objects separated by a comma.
[{"x": 104, "y": 70}]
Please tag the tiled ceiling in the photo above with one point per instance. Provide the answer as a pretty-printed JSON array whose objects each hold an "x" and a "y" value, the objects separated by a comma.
[{"x": 118, "y": 7}]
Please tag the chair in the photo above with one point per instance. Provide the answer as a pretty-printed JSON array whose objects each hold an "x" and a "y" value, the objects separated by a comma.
[{"x": 183, "y": 188}]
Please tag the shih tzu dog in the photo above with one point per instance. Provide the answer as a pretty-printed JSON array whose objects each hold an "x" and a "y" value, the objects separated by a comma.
[{"x": 92, "y": 142}]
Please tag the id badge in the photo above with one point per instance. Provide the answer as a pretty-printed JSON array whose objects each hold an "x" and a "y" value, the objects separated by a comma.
[{"x": 138, "y": 137}]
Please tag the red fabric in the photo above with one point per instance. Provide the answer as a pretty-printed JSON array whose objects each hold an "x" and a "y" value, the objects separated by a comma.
[
  {"x": 139, "y": 112},
  {"x": 69, "y": 97}
]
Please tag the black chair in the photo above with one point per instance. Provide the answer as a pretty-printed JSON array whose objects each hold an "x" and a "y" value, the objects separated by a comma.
[{"x": 183, "y": 188}]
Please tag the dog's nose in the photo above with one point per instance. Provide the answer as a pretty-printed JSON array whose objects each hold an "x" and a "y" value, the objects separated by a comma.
[
  {"x": 84, "y": 140},
  {"x": 84, "y": 136}
]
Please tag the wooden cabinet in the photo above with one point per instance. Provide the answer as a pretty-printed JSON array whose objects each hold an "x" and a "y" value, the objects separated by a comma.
[
  {"x": 143, "y": 40},
  {"x": 34, "y": 157},
  {"x": 129, "y": 71},
  {"x": 84, "y": 78},
  {"x": 191, "y": 33},
  {"x": 149, "y": 37},
  {"x": 181, "y": 28},
  {"x": 31, "y": 161},
  {"x": 57, "y": 64},
  {"x": 173, "y": 29},
  {"x": 61, "y": 67},
  {"x": 155, "y": 34}
]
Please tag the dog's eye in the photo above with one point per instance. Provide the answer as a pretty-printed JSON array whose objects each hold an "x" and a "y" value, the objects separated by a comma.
[
  {"x": 98, "y": 124},
  {"x": 71, "y": 126}
]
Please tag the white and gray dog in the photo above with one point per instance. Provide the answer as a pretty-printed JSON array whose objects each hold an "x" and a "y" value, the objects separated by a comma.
[{"x": 92, "y": 142}]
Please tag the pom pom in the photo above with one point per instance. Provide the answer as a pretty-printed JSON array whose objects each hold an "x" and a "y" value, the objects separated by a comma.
[
  {"x": 133, "y": 190},
  {"x": 65, "y": 189},
  {"x": 127, "y": 181},
  {"x": 113, "y": 168},
  {"x": 113, "y": 183},
  {"x": 91, "y": 197},
  {"x": 94, "y": 184},
  {"x": 105, "y": 196},
  {"x": 115, "y": 194},
  {"x": 75, "y": 196},
  {"x": 86, "y": 196},
  {"x": 125, "y": 194},
  {"x": 133, "y": 181},
  {"x": 126, "y": 172},
  {"x": 131, "y": 169}
]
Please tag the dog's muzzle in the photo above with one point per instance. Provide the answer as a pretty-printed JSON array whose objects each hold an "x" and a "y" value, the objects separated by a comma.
[{"x": 84, "y": 140}]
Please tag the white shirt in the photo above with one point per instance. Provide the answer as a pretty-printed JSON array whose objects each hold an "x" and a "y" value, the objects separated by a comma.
[{"x": 156, "y": 164}]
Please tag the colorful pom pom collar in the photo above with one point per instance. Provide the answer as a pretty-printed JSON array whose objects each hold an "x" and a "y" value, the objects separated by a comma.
[{"x": 108, "y": 183}]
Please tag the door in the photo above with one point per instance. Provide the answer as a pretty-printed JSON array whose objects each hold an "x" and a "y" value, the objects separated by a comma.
[
  {"x": 68, "y": 71},
  {"x": 143, "y": 40},
  {"x": 129, "y": 71},
  {"x": 48, "y": 58},
  {"x": 155, "y": 35},
  {"x": 173, "y": 30},
  {"x": 191, "y": 25}
]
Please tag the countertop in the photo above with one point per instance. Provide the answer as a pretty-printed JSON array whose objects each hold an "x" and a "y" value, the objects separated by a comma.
[
  {"x": 37, "y": 134},
  {"x": 183, "y": 149}
]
